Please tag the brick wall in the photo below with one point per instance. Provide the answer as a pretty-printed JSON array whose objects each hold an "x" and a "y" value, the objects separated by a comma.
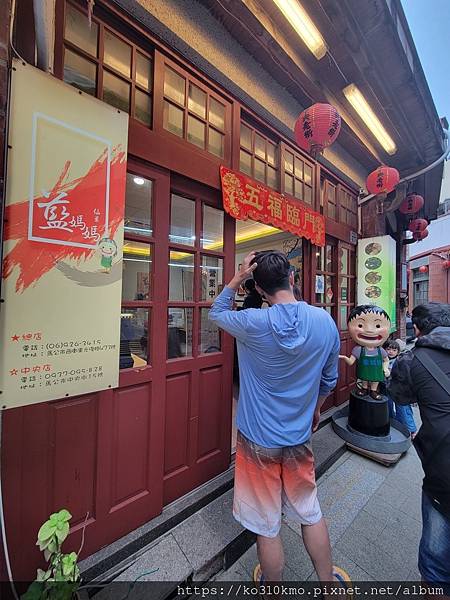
[{"x": 439, "y": 284}]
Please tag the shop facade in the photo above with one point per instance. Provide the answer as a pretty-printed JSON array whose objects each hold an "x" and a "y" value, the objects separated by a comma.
[{"x": 117, "y": 457}]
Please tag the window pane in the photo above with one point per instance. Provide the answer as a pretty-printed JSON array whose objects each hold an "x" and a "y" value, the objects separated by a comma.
[
  {"x": 212, "y": 235},
  {"x": 329, "y": 255},
  {"x": 329, "y": 289},
  {"x": 174, "y": 86},
  {"x": 215, "y": 142},
  {"x": 344, "y": 289},
  {"x": 271, "y": 154},
  {"x": 79, "y": 72},
  {"x": 216, "y": 114},
  {"x": 138, "y": 205},
  {"x": 288, "y": 162},
  {"x": 134, "y": 327},
  {"x": 117, "y": 54},
  {"x": 212, "y": 277},
  {"x": 78, "y": 31},
  {"x": 197, "y": 101},
  {"x": 173, "y": 119},
  {"x": 143, "y": 107},
  {"x": 298, "y": 189},
  {"x": 246, "y": 137},
  {"x": 209, "y": 334},
  {"x": 307, "y": 194},
  {"x": 331, "y": 211},
  {"x": 289, "y": 184},
  {"x": 246, "y": 162},
  {"x": 137, "y": 266},
  {"x": 260, "y": 147},
  {"x": 179, "y": 333},
  {"x": 181, "y": 276},
  {"x": 343, "y": 317},
  {"x": 196, "y": 131},
  {"x": 144, "y": 71},
  {"x": 116, "y": 91},
  {"x": 307, "y": 174},
  {"x": 182, "y": 221},
  {"x": 272, "y": 179},
  {"x": 320, "y": 256},
  {"x": 298, "y": 168},
  {"x": 343, "y": 264},
  {"x": 260, "y": 170}
]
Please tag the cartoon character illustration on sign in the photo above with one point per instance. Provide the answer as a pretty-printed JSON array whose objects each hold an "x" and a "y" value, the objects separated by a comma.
[
  {"x": 108, "y": 250},
  {"x": 369, "y": 327}
]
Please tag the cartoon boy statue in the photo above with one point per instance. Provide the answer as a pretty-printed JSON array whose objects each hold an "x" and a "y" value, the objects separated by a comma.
[
  {"x": 369, "y": 327},
  {"x": 108, "y": 250}
]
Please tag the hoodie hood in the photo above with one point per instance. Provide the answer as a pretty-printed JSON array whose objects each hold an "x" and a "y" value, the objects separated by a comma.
[
  {"x": 439, "y": 339},
  {"x": 289, "y": 330}
]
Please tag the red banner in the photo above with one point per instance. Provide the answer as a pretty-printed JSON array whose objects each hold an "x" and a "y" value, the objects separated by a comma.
[{"x": 245, "y": 198}]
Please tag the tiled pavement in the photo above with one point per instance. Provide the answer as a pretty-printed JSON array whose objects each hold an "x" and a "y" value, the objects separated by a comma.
[{"x": 374, "y": 519}]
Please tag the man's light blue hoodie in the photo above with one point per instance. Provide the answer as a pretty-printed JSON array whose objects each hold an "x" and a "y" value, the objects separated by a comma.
[{"x": 288, "y": 356}]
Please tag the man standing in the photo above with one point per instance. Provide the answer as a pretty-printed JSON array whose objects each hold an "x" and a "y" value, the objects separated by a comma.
[
  {"x": 288, "y": 361},
  {"x": 422, "y": 376}
]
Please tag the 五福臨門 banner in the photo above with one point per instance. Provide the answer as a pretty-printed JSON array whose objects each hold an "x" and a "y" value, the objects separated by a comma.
[{"x": 63, "y": 238}]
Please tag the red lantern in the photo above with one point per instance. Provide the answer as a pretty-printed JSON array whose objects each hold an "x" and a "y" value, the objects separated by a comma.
[
  {"x": 420, "y": 235},
  {"x": 383, "y": 180},
  {"x": 411, "y": 204},
  {"x": 317, "y": 127},
  {"x": 418, "y": 225},
  {"x": 423, "y": 269},
  {"x": 446, "y": 264}
]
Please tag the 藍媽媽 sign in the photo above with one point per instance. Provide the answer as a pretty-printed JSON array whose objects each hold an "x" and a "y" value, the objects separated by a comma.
[{"x": 62, "y": 265}]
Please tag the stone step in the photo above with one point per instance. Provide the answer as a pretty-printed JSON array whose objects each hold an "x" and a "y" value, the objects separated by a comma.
[{"x": 202, "y": 544}]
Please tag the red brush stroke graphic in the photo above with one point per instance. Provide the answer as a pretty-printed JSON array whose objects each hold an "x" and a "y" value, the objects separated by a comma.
[{"x": 35, "y": 259}]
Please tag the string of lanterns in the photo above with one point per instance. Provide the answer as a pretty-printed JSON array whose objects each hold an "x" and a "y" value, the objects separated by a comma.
[{"x": 318, "y": 127}]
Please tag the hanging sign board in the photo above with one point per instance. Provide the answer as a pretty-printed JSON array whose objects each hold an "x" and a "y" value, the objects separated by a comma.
[
  {"x": 245, "y": 198},
  {"x": 376, "y": 274},
  {"x": 62, "y": 266}
]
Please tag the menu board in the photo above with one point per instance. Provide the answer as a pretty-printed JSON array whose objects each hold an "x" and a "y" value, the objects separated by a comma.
[{"x": 376, "y": 273}]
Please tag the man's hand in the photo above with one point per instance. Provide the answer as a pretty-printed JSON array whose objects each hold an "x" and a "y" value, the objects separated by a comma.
[{"x": 244, "y": 272}]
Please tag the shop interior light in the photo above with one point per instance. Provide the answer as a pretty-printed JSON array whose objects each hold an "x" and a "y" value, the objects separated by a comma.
[
  {"x": 361, "y": 106},
  {"x": 139, "y": 180},
  {"x": 300, "y": 21}
]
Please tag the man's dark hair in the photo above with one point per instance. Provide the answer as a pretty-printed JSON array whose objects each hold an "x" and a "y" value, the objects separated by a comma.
[
  {"x": 249, "y": 285},
  {"x": 393, "y": 345},
  {"x": 363, "y": 309},
  {"x": 428, "y": 316},
  {"x": 272, "y": 272}
]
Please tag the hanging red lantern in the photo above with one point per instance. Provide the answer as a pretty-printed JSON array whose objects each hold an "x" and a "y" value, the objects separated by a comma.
[
  {"x": 423, "y": 269},
  {"x": 383, "y": 180},
  {"x": 411, "y": 204},
  {"x": 418, "y": 225},
  {"x": 420, "y": 235},
  {"x": 317, "y": 127},
  {"x": 446, "y": 264}
]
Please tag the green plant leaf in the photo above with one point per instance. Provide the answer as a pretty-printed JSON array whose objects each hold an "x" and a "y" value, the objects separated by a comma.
[
  {"x": 36, "y": 591},
  {"x": 47, "y": 555},
  {"x": 62, "y": 531},
  {"x": 64, "y": 515},
  {"x": 47, "y": 530},
  {"x": 43, "y": 575}
]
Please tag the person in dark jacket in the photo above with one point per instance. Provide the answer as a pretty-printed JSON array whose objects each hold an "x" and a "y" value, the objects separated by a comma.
[
  {"x": 416, "y": 378},
  {"x": 253, "y": 298}
]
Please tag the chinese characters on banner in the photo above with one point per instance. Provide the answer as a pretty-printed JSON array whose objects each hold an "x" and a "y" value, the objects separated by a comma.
[
  {"x": 244, "y": 198},
  {"x": 62, "y": 266}
]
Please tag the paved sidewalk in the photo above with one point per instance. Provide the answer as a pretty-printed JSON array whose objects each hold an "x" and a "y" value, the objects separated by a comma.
[{"x": 374, "y": 519}]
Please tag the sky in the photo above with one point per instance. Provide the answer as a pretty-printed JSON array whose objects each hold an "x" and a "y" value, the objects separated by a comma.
[{"x": 429, "y": 22}]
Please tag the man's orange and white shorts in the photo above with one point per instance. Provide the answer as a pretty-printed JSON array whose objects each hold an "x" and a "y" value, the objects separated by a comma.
[{"x": 272, "y": 481}]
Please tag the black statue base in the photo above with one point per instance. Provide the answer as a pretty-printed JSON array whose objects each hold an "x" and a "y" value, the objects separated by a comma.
[{"x": 365, "y": 423}]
